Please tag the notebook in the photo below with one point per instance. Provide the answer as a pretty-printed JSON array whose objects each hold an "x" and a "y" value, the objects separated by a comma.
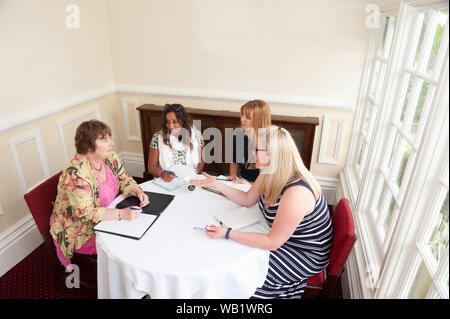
[
  {"x": 157, "y": 202},
  {"x": 183, "y": 172},
  {"x": 242, "y": 187},
  {"x": 134, "y": 229},
  {"x": 238, "y": 218}
]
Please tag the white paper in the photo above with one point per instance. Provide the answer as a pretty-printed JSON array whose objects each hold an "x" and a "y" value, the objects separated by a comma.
[
  {"x": 238, "y": 218},
  {"x": 243, "y": 187},
  {"x": 182, "y": 171},
  {"x": 135, "y": 228}
]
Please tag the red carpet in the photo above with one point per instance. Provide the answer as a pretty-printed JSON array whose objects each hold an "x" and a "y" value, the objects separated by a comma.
[{"x": 32, "y": 278}]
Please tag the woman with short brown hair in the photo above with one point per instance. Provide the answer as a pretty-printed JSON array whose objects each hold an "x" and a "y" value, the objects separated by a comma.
[{"x": 87, "y": 186}]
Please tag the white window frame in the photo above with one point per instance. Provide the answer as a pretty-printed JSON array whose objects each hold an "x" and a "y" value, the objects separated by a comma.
[{"x": 371, "y": 252}]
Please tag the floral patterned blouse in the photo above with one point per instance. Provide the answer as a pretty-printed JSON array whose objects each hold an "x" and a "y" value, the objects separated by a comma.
[{"x": 76, "y": 209}]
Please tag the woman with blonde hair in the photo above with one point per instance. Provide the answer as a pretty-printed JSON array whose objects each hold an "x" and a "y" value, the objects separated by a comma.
[
  {"x": 293, "y": 205},
  {"x": 254, "y": 115}
]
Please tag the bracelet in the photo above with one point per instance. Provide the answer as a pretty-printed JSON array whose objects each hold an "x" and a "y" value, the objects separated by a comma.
[
  {"x": 228, "y": 233},
  {"x": 160, "y": 173}
]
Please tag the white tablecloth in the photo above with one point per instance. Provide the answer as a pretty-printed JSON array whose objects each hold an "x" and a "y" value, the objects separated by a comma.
[{"x": 172, "y": 260}]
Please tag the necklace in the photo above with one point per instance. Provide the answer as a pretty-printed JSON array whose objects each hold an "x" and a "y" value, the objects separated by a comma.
[{"x": 97, "y": 169}]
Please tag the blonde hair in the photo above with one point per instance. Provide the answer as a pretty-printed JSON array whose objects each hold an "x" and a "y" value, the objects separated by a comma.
[
  {"x": 284, "y": 165},
  {"x": 259, "y": 112}
]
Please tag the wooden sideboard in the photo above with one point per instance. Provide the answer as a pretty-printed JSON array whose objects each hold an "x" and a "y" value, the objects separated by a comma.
[{"x": 302, "y": 130}]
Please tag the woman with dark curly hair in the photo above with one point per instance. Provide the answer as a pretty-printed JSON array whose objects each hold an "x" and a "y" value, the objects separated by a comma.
[{"x": 178, "y": 142}]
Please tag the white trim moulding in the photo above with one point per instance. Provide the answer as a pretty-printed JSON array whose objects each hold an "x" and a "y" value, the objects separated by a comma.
[
  {"x": 125, "y": 104},
  {"x": 74, "y": 117},
  {"x": 36, "y": 134},
  {"x": 335, "y": 103},
  {"x": 324, "y": 140},
  {"x": 42, "y": 111}
]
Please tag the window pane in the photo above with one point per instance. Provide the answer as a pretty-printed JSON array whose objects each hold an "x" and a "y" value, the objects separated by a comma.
[
  {"x": 422, "y": 34},
  {"x": 381, "y": 197},
  {"x": 401, "y": 172},
  {"x": 368, "y": 117},
  {"x": 394, "y": 149},
  {"x": 407, "y": 96},
  {"x": 361, "y": 152},
  {"x": 385, "y": 29},
  {"x": 389, "y": 214},
  {"x": 442, "y": 19},
  {"x": 419, "y": 107},
  {"x": 375, "y": 76},
  {"x": 422, "y": 283},
  {"x": 439, "y": 237}
]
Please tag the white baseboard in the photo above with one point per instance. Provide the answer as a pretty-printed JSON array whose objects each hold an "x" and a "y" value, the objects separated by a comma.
[{"x": 17, "y": 242}]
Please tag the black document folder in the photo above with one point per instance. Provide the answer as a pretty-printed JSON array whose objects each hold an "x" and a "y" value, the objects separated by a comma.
[
  {"x": 158, "y": 203},
  {"x": 136, "y": 229}
]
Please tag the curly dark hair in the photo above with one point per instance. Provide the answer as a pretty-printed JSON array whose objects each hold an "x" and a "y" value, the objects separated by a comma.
[
  {"x": 87, "y": 133},
  {"x": 183, "y": 118}
]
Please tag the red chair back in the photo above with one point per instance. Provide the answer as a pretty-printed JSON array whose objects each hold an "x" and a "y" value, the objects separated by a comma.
[
  {"x": 40, "y": 201},
  {"x": 344, "y": 237}
]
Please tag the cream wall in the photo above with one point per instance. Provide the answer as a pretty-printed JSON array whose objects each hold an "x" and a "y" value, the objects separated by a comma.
[
  {"x": 311, "y": 49},
  {"x": 43, "y": 62}
]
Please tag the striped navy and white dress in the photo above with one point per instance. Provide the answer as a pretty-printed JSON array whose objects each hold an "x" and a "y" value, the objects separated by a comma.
[{"x": 303, "y": 255}]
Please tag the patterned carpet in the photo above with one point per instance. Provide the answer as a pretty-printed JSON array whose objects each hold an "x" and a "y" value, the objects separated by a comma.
[{"x": 33, "y": 277}]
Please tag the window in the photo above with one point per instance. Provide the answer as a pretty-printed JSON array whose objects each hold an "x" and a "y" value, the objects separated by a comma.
[{"x": 397, "y": 120}]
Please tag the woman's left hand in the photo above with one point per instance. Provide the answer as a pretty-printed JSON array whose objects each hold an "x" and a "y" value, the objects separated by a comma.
[
  {"x": 143, "y": 198},
  {"x": 214, "y": 231}
]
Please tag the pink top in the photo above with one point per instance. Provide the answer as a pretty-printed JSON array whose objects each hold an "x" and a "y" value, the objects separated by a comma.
[
  {"x": 109, "y": 189},
  {"x": 107, "y": 192}
]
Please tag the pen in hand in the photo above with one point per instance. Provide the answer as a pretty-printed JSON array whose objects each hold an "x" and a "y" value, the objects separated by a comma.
[
  {"x": 170, "y": 173},
  {"x": 201, "y": 228}
]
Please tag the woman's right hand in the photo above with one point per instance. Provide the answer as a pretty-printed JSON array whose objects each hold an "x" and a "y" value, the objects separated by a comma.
[
  {"x": 167, "y": 177},
  {"x": 210, "y": 181},
  {"x": 130, "y": 214}
]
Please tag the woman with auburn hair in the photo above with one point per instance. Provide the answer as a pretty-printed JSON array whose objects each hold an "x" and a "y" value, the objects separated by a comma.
[
  {"x": 177, "y": 142},
  {"x": 293, "y": 205},
  {"x": 254, "y": 115},
  {"x": 86, "y": 187}
]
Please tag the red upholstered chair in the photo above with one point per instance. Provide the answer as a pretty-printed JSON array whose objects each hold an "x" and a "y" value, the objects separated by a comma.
[
  {"x": 40, "y": 202},
  {"x": 322, "y": 284}
]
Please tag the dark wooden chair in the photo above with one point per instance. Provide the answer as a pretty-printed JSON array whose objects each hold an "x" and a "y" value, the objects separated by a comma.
[
  {"x": 40, "y": 202},
  {"x": 323, "y": 284}
]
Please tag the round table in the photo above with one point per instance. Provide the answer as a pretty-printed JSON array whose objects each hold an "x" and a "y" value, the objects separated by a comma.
[{"x": 173, "y": 260}]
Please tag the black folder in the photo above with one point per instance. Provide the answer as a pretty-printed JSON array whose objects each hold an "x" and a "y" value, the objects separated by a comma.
[{"x": 158, "y": 203}]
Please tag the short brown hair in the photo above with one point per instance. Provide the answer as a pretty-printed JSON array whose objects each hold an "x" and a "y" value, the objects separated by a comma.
[{"x": 87, "y": 133}]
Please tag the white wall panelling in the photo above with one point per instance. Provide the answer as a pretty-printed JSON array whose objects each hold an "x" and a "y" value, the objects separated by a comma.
[
  {"x": 323, "y": 159},
  {"x": 125, "y": 111},
  {"x": 35, "y": 134},
  {"x": 73, "y": 118}
]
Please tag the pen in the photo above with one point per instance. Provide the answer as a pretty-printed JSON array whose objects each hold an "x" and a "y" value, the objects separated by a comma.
[
  {"x": 201, "y": 228},
  {"x": 223, "y": 179},
  {"x": 170, "y": 173}
]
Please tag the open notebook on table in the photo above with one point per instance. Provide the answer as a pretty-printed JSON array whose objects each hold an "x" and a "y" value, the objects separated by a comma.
[
  {"x": 183, "y": 173},
  {"x": 242, "y": 187},
  {"x": 134, "y": 229},
  {"x": 238, "y": 218}
]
